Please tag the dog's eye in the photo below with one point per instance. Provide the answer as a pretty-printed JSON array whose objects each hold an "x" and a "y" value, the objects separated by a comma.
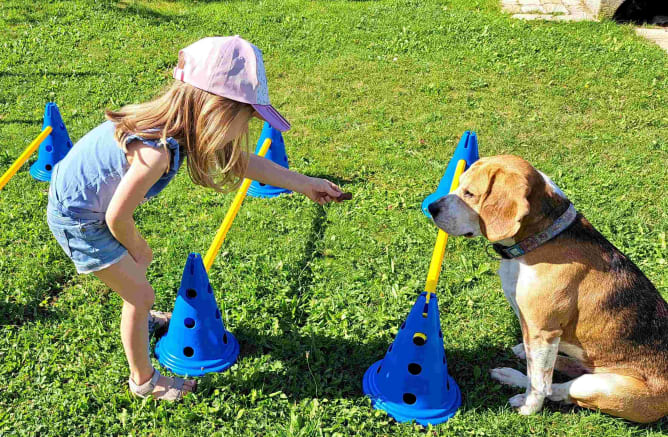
[{"x": 468, "y": 194}]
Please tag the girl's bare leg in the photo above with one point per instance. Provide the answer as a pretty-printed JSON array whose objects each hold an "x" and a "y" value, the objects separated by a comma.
[{"x": 128, "y": 279}]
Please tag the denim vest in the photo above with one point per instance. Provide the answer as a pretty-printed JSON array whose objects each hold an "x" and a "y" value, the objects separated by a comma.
[{"x": 83, "y": 183}]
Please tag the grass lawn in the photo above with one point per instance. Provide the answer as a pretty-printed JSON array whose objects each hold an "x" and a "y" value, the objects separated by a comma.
[{"x": 378, "y": 93}]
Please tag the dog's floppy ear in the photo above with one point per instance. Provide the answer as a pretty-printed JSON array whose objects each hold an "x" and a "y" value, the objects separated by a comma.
[{"x": 504, "y": 206}]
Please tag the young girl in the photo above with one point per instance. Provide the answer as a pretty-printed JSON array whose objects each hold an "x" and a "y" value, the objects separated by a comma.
[{"x": 220, "y": 85}]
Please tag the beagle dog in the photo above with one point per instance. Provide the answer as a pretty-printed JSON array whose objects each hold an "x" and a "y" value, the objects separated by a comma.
[{"x": 585, "y": 309}]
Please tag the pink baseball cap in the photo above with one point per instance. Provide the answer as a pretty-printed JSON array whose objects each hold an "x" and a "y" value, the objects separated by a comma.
[{"x": 229, "y": 67}]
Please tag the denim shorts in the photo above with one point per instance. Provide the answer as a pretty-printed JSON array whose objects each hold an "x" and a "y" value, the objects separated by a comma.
[{"x": 88, "y": 242}]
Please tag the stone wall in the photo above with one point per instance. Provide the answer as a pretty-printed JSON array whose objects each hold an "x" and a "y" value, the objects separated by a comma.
[{"x": 603, "y": 8}]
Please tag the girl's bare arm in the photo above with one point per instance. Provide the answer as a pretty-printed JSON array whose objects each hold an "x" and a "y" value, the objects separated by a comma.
[
  {"x": 148, "y": 164},
  {"x": 267, "y": 172}
]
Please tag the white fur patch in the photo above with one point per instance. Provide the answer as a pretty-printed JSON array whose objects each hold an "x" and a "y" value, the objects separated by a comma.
[
  {"x": 540, "y": 363},
  {"x": 586, "y": 386},
  {"x": 541, "y": 358},
  {"x": 509, "y": 272},
  {"x": 457, "y": 218},
  {"x": 519, "y": 351},
  {"x": 560, "y": 392},
  {"x": 572, "y": 351},
  {"x": 518, "y": 400},
  {"x": 532, "y": 403},
  {"x": 551, "y": 183},
  {"x": 508, "y": 376},
  {"x": 514, "y": 272}
]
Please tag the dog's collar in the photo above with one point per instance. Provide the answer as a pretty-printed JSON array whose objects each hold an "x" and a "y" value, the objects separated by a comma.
[{"x": 529, "y": 244}]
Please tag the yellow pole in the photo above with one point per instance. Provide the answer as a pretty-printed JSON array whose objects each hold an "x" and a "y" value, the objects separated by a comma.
[
  {"x": 441, "y": 241},
  {"x": 231, "y": 213},
  {"x": 24, "y": 157}
]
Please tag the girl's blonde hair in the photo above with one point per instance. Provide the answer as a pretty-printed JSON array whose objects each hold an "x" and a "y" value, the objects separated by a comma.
[{"x": 213, "y": 131}]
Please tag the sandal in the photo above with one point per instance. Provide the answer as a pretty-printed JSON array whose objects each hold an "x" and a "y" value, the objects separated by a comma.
[
  {"x": 158, "y": 322},
  {"x": 173, "y": 391}
]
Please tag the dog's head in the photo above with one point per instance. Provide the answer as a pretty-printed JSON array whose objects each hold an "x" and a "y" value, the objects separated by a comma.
[{"x": 496, "y": 197}]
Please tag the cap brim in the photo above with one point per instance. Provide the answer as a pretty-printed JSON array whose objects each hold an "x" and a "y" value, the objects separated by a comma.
[{"x": 272, "y": 116}]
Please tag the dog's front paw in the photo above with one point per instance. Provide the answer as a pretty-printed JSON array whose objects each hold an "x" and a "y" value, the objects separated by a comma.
[
  {"x": 517, "y": 400},
  {"x": 519, "y": 351},
  {"x": 508, "y": 376},
  {"x": 526, "y": 404}
]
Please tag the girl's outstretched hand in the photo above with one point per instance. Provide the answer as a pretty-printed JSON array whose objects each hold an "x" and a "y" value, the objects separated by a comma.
[{"x": 322, "y": 191}]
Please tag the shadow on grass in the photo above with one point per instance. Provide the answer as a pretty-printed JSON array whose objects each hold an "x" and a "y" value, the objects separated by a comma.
[
  {"x": 302, "y": 274},
  {"x": 321, "y": 366},
  {"x": 341, "y": 182},
  {"x": 152, "y": 16},
  {"x": 42, "y": 294},
  {"x": 314, "y": 365},
  {"x": 22, "y": 121},
  {"x": 35, "y": 74},
  {"x": 317, "y": 365},
  {"x": 660, "y": 426}
]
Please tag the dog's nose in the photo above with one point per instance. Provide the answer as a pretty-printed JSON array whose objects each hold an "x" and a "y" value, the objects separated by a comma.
[{"x": 434, "y": 209}]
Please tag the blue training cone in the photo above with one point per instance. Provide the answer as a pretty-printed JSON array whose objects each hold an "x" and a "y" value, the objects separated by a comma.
[
  {"x": 467, "y": 149},
  {"x": 54, "y": 147},
  {"x": 276, "y": 154},
  {"x": 412, "y": 381},
  {"x": 196, "y": 342}
]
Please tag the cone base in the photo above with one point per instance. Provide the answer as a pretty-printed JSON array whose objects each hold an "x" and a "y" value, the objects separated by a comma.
[
  {"x": 38, "y": 173},
  {"x": 266, "y": 192},
  {"x": 184, "y": 367},
  {"x": 405, "y": 413}
]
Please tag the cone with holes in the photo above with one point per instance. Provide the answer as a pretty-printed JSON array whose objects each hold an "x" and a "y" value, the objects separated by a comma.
[
  {"x": 54, "y": 147},
  {"x": 467, "y": 150},
  {"x": 412, "y": 381},
  {"x": 277, "y": 155},
  {"x": 197, "y": 341}
]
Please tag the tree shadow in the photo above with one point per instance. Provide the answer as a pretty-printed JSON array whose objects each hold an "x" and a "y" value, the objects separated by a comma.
[
  {"x": 215, "y": 1},
  {"x": 24, "y": 20},
  {"x": 21, "y": 121},
  {"x": 34, "y": 74},
  {"x": 133, "y": 9}
]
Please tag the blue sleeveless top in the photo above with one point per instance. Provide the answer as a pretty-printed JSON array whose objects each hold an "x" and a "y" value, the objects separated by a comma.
[{"x": 83, "y": 183}]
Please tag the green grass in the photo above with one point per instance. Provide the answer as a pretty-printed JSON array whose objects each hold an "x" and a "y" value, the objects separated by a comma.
[{"x": 378, "y": 94}]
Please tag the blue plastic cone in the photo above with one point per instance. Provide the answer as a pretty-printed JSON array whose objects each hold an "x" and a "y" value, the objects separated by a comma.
[
  {"x": 276, "y": 154},
  {"x": 54, "y": 147},
  {"x": 412, "y": 381},
  {"x": 467, "y": 149},
  {"x": 196, "y": 342}
]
